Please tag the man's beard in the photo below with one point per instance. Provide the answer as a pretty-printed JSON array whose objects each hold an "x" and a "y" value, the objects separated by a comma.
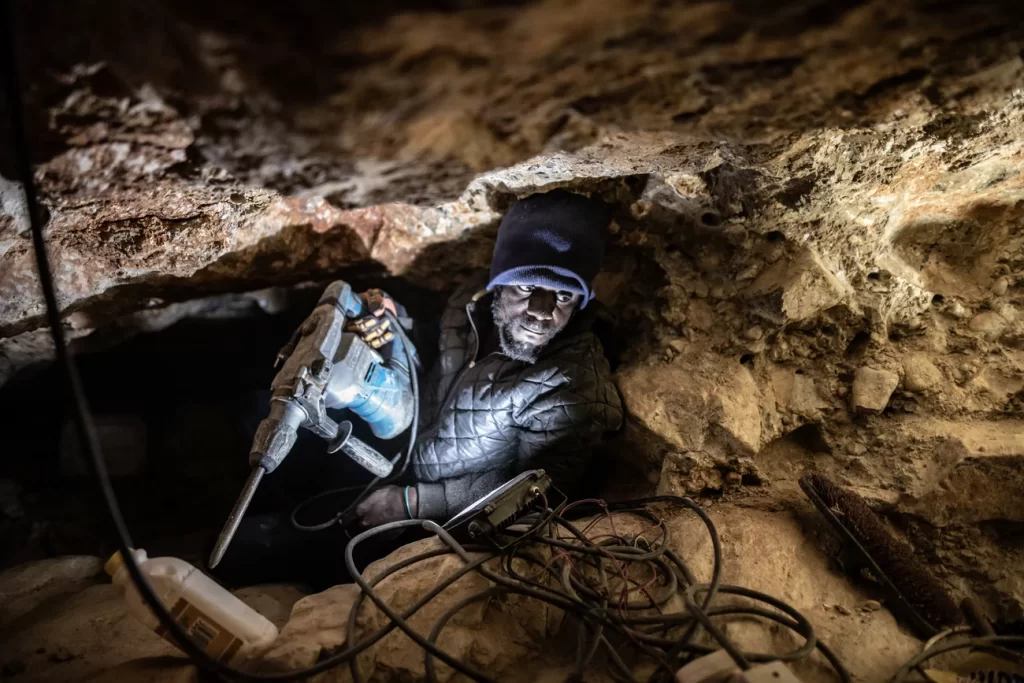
[{"x": 510, "y": 346}]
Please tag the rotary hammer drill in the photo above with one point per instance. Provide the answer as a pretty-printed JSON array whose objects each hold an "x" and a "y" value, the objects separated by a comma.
[{"x": 324, "y": 367}]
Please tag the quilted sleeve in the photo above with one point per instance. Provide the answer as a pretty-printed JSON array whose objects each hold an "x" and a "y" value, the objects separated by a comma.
[{"x": 559, "y": 428}]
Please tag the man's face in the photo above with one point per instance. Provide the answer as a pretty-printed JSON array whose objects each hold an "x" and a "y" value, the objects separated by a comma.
[{"x": 529, "y": 317}]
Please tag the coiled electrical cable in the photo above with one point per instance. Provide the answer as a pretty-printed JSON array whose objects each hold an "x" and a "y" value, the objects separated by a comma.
[{"x": 607, "y": 622}]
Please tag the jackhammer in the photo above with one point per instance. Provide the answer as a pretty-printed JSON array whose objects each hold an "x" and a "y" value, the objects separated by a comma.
[{"x": 324, "y": 367}]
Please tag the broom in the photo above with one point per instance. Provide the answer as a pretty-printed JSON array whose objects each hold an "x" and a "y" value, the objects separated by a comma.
[{"x": 916, "y": 594}]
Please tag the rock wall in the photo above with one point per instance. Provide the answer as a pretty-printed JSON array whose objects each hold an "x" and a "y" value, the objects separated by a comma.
[{"x": 818, "y": 258}]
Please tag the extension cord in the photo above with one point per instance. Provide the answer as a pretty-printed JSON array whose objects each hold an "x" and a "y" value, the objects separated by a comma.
[{"x": 719, "y": 667}]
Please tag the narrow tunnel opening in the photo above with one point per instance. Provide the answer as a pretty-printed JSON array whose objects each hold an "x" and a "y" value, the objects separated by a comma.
[{"x": 176, "y": 410}]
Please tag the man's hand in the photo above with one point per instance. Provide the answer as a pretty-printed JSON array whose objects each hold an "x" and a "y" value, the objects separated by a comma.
[
  {"x": 386, "y": 504},
  {"x": 375, "y": 329}
]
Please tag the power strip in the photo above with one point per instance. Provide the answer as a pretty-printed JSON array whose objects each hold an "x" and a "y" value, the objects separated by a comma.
[{"x": 719, "y": 667}]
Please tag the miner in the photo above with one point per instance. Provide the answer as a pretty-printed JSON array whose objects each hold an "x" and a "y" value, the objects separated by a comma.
[{"x": 521, "y": 382}]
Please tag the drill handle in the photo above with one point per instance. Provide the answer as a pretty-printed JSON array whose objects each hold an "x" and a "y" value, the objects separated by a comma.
[{"x": 360, "y": 451}]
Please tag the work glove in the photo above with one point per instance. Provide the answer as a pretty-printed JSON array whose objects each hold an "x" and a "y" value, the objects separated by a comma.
[
  {"x": 386, "y": 504},
  {"x": 374, "y": 328}
]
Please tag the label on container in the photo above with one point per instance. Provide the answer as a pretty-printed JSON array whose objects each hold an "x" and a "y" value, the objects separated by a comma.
[{"x": 218, "y": 642}]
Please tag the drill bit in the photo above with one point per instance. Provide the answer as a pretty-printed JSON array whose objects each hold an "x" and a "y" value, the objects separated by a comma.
[{"x": 235, "y": 518}]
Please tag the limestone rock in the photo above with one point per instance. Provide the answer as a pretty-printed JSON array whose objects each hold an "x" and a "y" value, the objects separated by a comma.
[
  {"x": 973, "y": 472},
  {"x": 797, "y": 393},
  {"x": 501, "y": 637},
  {"x": 736, "y": 407},
  {"x": 989, "y": 324},
  {"x": 872, "y": 389},
  {"x": 797, "y": 290},
  {"x": 920, "y": 374},
  {"x": 670, "y": 407},
  {"x": 697, "y": 404},
  {"x": 317, "y": 623}
]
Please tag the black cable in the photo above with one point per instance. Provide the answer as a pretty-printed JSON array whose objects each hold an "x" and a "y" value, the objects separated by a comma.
[{"x": 397, "y": 619}]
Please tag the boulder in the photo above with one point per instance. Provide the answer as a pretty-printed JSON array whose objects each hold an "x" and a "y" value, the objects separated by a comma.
[
  {"x": 919, "y": 373},
  {"x": 797, "y": 393},
  {"x": 989, "y": 325},
  {"x": 796, "y": 290},
  {"x": 697, "y": 403},
  {"x": 502, "y": 636},
  {"x": 872, "y": 389}
]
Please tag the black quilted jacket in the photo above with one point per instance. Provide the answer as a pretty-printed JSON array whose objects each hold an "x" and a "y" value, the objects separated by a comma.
[{"x": 484, "y": 420}]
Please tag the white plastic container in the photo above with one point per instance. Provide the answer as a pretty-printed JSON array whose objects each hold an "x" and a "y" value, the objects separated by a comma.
[{"x": 227, "y": 628}]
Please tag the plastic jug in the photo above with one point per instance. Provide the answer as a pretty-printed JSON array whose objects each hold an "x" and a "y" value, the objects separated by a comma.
[{"x": 220, "y": 623}]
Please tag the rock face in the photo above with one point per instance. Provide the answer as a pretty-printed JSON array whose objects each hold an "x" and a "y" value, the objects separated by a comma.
[
  {"x": 813, "y": 203},
  {"x": 202, "y": 169}
]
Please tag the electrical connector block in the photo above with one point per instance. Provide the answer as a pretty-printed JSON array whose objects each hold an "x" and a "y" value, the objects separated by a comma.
[{"x": 719, "y": 667}]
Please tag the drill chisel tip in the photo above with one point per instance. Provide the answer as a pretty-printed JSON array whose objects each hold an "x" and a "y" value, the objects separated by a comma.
[{"x": 235, "y": 518}]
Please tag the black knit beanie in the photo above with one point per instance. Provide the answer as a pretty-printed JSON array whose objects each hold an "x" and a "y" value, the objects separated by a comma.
[{"x": 554, "y": 240}]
